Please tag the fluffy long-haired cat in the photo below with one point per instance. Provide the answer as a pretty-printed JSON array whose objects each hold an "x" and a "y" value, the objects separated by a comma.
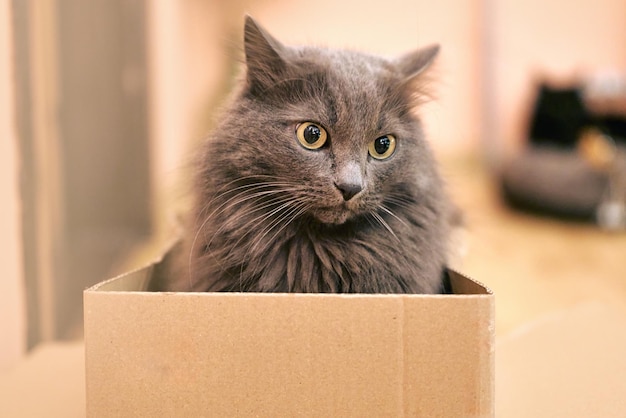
[{"x": 318, "y": 178}]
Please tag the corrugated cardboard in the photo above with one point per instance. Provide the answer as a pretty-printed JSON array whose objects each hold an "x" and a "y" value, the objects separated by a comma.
[{"x": 247, "y": 354}]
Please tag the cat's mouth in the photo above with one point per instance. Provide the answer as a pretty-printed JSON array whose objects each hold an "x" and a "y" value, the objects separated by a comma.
[{"x": 335, "y": 215}]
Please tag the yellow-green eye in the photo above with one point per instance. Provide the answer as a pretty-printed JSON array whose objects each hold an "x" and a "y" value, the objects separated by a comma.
[
  {"x": 383, "y": 147},
  {"x": 311, "y": 135}
]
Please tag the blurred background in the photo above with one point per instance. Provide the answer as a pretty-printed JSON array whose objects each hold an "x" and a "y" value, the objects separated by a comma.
[{"x": 102, "y": 102}]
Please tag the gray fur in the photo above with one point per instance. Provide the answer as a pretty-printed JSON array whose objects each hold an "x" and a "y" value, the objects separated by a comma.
[{"x": 269, "y": 216}]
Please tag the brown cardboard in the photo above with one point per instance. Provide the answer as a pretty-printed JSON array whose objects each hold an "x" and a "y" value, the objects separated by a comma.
[{"x": 248, "y": 354}]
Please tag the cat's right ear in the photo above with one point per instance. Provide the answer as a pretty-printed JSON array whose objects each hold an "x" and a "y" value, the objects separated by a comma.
[
  {"x": 264, "y": 55},
  {"x": 417, "y": 62}
]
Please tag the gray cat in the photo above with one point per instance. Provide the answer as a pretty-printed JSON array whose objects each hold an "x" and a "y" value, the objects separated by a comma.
[{"x": 318, "y": 178}]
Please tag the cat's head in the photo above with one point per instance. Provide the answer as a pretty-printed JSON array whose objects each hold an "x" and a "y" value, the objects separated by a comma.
[{"x": 333, "y": 128}]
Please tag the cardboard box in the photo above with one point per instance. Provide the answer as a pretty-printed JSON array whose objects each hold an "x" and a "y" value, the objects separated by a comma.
[{"x": 157, "y": 354}]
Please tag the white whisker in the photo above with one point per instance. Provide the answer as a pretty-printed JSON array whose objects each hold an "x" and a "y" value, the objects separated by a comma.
[
  {"x": 263, "y": 218},
  {"x": 400, "y": 201},
  {"x": 384, "y": 223},
  {"x": 393, "y": 214},
  {"x": 284, "y": 220}
]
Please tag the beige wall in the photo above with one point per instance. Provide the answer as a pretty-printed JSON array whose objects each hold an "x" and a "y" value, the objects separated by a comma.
[
  {"x": 188, "y": 65},
  {"x": 12, "y": 312}
]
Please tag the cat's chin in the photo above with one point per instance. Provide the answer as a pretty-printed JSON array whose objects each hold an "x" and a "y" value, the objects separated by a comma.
[{"x": 333, "y": 216}]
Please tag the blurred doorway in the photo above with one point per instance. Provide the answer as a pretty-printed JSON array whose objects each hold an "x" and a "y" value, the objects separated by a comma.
[{"x": 81, "y": 108}]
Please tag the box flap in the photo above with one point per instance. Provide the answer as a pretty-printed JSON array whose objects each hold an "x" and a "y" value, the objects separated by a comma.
[
  {"x": 140, "y": 281},
  {"x": 137, "y": 280}
]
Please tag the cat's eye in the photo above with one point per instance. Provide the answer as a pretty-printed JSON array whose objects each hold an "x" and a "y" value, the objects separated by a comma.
[
  {"x": 311, "y": 135},
  {"x": 383, "y": 147}
]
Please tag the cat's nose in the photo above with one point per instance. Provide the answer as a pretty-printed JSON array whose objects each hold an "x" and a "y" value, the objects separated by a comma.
[{"x": 349, "y": 190}]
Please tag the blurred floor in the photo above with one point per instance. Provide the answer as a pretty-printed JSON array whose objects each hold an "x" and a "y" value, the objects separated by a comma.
[
  {"x": 560, "y": 303},
  {"x": 535, "y": 266},
  {"x": 50, "y": 382}
]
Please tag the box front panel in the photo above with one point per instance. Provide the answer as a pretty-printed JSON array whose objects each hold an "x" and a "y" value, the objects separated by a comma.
[{"x": 159, "y": 354}]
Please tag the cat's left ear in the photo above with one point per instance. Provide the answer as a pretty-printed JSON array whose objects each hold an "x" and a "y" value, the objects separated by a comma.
[{"x": 415, "y": 63}]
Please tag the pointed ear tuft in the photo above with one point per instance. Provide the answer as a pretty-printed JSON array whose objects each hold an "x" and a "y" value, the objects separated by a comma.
[
  {"x": 415, "y": 63},
  {"x": 264, "y": 54}
]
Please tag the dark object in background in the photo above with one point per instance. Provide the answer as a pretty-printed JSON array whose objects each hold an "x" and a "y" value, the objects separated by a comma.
[
  {"x": 615, "y": 126},
  {"x": 552, "y": 177},
  {"x": 558, "y": 118},
  {"x": 551, "y": 181}
]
